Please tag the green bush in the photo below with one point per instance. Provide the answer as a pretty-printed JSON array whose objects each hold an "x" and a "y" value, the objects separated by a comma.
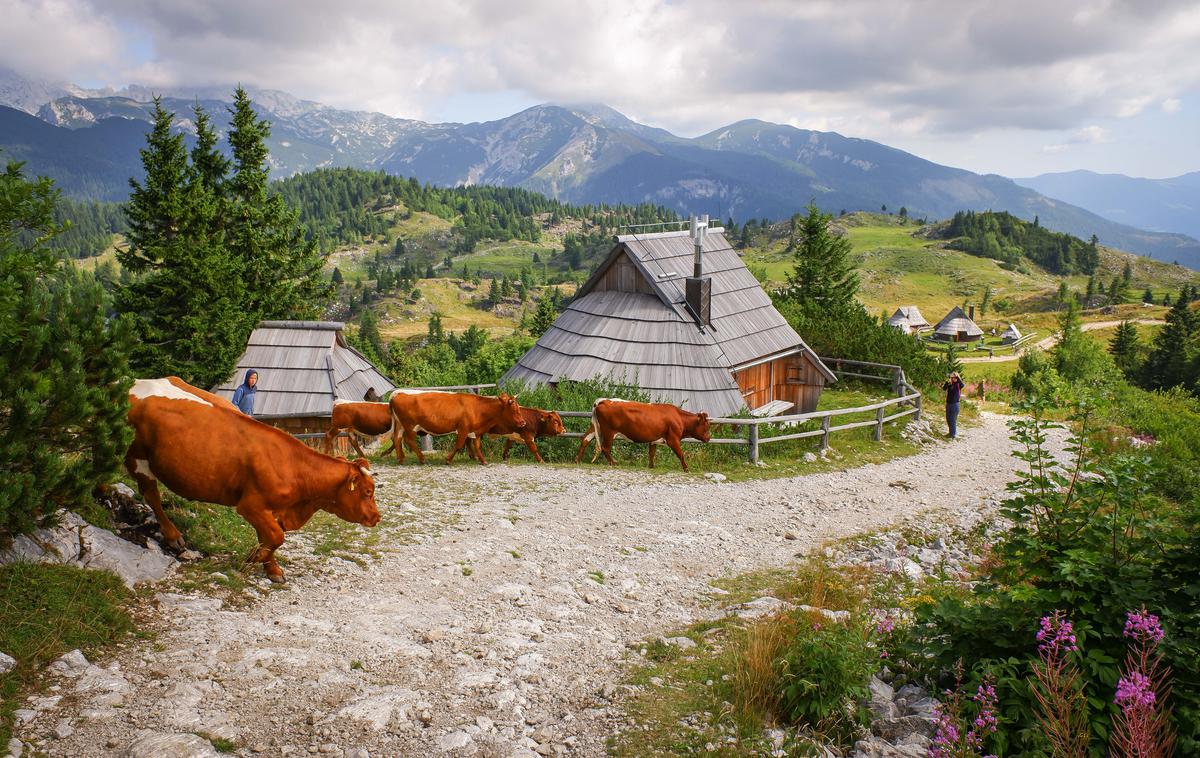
[
  {"x": 823, "y": 673},
  {"x": 64, "y": 375},
  {"x": 1090, "y": 537}
]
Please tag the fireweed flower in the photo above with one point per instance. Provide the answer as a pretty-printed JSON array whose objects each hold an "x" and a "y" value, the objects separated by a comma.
[
  {"x": 886, "y": 625},
  {"x": 945, "y": 736},
  {"x": 1143, "y": 626},
  {"x": 1135, "y": 691},
  {"x": 985, "y": 722},
  {"x": 1056, "y": 635}
]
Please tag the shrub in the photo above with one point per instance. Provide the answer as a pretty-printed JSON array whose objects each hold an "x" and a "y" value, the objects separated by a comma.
[
  {"x": 64, "y": 375},
  {"x": 1090, "y": 538}
]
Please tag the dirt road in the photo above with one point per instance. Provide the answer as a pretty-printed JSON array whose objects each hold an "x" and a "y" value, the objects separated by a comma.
[{"x": 494, "y": 619}]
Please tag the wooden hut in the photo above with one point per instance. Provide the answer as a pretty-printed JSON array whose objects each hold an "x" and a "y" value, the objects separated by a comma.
[
  {"x": 710, "y": 342},
  {"x": 908, "y": 319},
  {"x": 303, "y": 367},
  {"x": 1010, "y": 335},
  {"x": 958, "y": 327}
]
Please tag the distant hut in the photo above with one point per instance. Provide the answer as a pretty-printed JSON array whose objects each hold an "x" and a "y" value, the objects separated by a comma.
[
  {"x": 1011, "y": 334},
  {"x": 958, "y": 327},
  {"x": 908, "y": 319},
  {"x": 303, "y": 367},
  {"x": 710, "y": 342}
]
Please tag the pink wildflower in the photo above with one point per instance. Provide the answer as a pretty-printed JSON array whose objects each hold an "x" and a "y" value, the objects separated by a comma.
[{"x": 1143, "y": 626}]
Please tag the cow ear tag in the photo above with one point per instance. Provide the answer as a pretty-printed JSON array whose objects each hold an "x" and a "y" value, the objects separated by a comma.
[{"x": 351, "y": 486}]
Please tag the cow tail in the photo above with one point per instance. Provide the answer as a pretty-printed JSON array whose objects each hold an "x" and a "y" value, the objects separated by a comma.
[{"x": 595, "y": 433}]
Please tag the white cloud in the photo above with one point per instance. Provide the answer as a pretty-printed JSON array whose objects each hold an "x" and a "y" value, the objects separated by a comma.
[
  {"x": 1092, "y": 135},
  {"x": 910, "y": 67},
  {"x": 1171, "y": 105}
]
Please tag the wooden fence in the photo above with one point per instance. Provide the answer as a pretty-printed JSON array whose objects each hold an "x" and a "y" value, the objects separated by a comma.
[{"x": 907, "y": 402}]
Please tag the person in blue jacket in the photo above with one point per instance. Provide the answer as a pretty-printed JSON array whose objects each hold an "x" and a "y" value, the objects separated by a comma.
[
  {"x": 243, "y": 397},
  {"x": 953, "y": 387}
]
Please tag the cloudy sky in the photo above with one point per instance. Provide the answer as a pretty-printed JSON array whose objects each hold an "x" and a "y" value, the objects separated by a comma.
[{"x": 1015, "y": 87}]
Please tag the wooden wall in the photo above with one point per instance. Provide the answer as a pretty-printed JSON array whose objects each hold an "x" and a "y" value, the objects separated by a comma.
[
  {"x": 313, "y": 425},
  {"x": 794, "y": 378},
  {"x": 623, "y": 276}
]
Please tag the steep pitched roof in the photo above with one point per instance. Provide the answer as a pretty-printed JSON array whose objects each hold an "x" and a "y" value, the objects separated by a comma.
[
  {"x": 956, "y": 321},
  {"x": 651, "y": 339},
  {"x": 908, "y": 315},
  {"x": 1012, "y": 332},
  {"x": 303, "y": 366}
]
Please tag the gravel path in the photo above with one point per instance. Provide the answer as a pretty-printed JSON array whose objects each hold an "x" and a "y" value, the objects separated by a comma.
[{"x": 494, "y": 617}]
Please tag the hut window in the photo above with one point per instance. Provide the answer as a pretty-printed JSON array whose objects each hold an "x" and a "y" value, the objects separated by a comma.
[{"x": 795, "y": 374}]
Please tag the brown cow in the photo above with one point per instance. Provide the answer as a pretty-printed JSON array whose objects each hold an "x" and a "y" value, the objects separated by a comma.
[
  {"x": 538, "y": 423},
  {"x": 203, "y": 451},
  {"x": 370, "y": 419},
  {"x": 642, "y": 422},
  {"x": 435, "y": 412}
]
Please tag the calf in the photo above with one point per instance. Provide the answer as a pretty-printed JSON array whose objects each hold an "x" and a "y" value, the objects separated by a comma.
[
  {"x": 369, "y": 419},
  {"x": 202, "y": 450},
  {"x": 643, "y": 422},
  {"x": 468, "y": 416},
  {"x": 538, "y": 423}
]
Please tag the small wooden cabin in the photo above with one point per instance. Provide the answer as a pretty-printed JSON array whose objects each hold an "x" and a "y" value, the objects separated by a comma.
[
  {"x": 303, "y": 367},
  {"x": 958, "y": 327},
  {"x": 908, "y": 319},
  {"x": 711, "y": 343},
  {"x": 1011, "y": 334}
]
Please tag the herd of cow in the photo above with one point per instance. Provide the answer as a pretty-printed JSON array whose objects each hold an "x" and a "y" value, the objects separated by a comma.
[{"x": 201, "y": 447}]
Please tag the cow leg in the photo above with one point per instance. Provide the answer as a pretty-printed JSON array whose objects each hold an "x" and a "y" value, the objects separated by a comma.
[
  {"x": 583, "y": 445},
  {"x": 460, "y": 441},
  {"x": 674, "y": 445},
  {"x": 410, "y": 439},
  {"x": 606, "y": 442},
  {"x": 270, "y": 537},
  {"x": 652, "y": 446},
  {"x": 330, "y": 435},
  {"x": 532, "y": 445},
  {"x": 148, "y": 486},
  {"x": 477, "y": 448},
  {"x": 398, "y": 432}
]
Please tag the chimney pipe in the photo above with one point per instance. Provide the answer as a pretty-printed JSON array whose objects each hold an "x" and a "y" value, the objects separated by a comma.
[
  {"x": 971, "y": 312},
  {"x": 699, "y": 232},
  {"x": 698, "y": 288}
]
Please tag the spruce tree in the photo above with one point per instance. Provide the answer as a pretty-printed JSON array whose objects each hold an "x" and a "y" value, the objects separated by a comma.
[
  {"x": 186, "y": 297},
  {"x": 1170, "y": 361},
  {"x": 1148, "y": 296},
  {"x": 544, "y": 316},
  {"x": 282, "y": 266},
  {"x": 1124, "y": 348},
  {"x": 64, "y": 372},
  {"x": 823, "y": 278}
]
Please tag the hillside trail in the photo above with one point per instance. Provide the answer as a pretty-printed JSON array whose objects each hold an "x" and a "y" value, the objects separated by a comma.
[
  {"x": 1048, "y": 342},
  {"x": 498, "y": 611}
]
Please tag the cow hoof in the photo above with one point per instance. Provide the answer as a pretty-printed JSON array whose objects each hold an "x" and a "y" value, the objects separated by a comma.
[
  {"x": 275, "y": 578},
  {"x": 177, "y": 544}
]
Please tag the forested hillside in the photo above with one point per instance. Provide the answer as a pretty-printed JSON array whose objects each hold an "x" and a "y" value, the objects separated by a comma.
[{"x": 1004, "y": 237}]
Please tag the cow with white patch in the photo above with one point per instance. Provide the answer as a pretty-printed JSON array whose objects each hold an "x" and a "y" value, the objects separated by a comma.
[
  {"x": 202, "y": 448},
  {"x": 467, "y": 416},
  {"x": 653, "y": 423},
  {"x": 368, "y": 419},
  {"x": 538, "y": 424}
]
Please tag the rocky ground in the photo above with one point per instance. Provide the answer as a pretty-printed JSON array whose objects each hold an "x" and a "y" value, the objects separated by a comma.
[{"x": 489, "y": 614}]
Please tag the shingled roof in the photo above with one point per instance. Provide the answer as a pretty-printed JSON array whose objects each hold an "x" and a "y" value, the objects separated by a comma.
[
  {"x": 955, "y": 322},
  {"x": 908, "y": 317},
  {"x": 303, "y": 366},
  {"x": 649, "y": 338}
]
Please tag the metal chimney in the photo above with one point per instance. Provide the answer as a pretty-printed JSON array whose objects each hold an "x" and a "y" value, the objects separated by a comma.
[
  {"x": 698, "y": 288},
  {"x": 971, "y": 313}
]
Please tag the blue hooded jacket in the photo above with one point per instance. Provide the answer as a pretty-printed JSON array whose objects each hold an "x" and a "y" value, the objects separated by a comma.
[{"x": 243, "y": 397}]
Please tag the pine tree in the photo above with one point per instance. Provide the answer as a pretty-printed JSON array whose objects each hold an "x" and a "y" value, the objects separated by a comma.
[
  {"x": 493, "y": 297},
  {"x": 1124, "y": 348},
  {"x": 369, "y": 339},
  {"x": 1091, "y": 291},
  {"x": 1127, "y": 275},
  {"x": 435, "y": 335},
  {"x": 64, "y": 372},
  {"x": 185, "y": 299},
  {"x": 336, "y": 276},
  {"x": 282, "y": 267},
  {"x": 823, "y": 278},
  {"x": 1063, "y": 293},
  {"x": 544, "y": 316},
  {"x": 1148, "y": 296}
]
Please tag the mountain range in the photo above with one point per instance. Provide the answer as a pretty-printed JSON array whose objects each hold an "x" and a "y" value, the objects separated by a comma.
[
  {"x": 1155, "y": 204},
  {"x": 88, "y": 141}
]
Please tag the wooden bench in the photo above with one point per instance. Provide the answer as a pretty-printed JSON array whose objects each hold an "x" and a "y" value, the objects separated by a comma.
[{"x": 773, "y": 408}]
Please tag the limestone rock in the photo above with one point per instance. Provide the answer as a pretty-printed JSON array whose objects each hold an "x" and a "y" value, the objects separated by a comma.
[
  {"x": 70, "y": 664},
  {"x": 170, "y": 745},
  {"x": 7, "y": 663}
]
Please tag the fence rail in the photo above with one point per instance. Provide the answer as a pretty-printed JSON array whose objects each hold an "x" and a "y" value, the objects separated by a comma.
[{"x": 905, "y": 395}]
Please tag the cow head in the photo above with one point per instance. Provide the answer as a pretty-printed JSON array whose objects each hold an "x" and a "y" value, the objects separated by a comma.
[
  {"x": 551, "y": 422},
  {"x": 699, "y": 427},
  {"x": 355, "y": 500},
  {"x": 511, "y": 411}
]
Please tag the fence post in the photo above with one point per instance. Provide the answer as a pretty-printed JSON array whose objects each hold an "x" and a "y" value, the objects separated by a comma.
[
  {"x": 917, "y": 415},
  {"x": 879, "y": 424},
  {"x": 897, "y": 381},
  {"x": 825, "y": 430},
  {"x": 427, "y": 443},
  {"x": 752, "y": 456}
]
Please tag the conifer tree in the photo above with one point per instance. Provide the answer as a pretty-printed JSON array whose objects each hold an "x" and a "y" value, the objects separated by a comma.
[
  {"x": 186, "y": 298},
  {"x": 494, "y": 292},
  {"x": 544, "y": 316},
  {"x": 1148, "y": 296},
  {"x": 1124, "y": 348},
  {"x": 823, "y": 278},
  {"x": 1171, "y": 359},
  {"x": 282, "y": 266},
  {"x": 64, "y": 372}
]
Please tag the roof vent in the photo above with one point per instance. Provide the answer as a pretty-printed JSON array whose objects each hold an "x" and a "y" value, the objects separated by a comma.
[{"x": 698, "y": 289}]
